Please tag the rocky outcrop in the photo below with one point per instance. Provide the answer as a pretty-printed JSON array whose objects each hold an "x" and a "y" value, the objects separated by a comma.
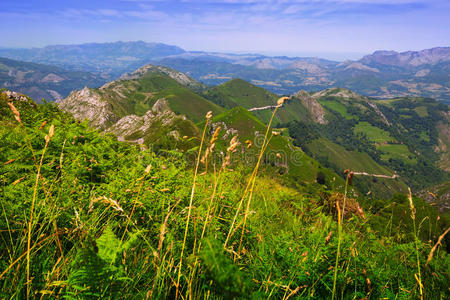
[
  {"x": 14, "y": 96},
  {"x": 315, "y": 109},
  {"x": 88, "y": 104}
]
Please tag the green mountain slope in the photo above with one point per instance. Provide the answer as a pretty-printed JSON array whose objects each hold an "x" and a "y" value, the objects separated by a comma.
[
  {"x": 281, "y": 155},
  {"x": 338, "y": 158},
  {"x": 403, "y": 134},
  {"x": 261, "y": 102},
  {"x": 136, "y": 96},
  {"x": 238, "y": 92}
]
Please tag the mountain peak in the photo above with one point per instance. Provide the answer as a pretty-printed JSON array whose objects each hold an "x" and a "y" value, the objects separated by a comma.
[{"x": 180, "y": 77}]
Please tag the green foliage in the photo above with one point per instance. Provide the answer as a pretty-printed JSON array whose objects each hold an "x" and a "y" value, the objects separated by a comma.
[{"x": 92, "y": 186}]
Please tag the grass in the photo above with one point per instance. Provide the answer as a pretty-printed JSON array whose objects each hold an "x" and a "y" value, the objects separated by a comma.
[
  {"x": 336, "y": 106},
  {"x": 397, "y": 151},
  {"x": 342, "y": 159},
  {"x": 422, "y": 111},
  {"x": 373, "y": 133},
  {"x": 174, "y": 222},
  {"x": 140, "y": 95}
]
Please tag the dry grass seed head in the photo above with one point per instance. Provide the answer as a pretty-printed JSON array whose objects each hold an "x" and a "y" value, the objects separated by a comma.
[
  {"x": 281, "y": 100},
  {"x": 15, "y": 112},
  {"x": 42, "y": 125}
]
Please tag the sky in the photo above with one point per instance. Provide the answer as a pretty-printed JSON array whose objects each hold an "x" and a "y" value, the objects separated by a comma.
[{"x": 334, "y": 29}]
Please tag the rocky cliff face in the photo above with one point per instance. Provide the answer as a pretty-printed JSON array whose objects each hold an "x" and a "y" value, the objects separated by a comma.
[
  {"x": 315, "y": 109},
  {"x": 88, "y": 104}
]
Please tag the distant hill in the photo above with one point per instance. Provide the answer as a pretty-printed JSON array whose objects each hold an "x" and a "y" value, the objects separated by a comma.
[
  {"x": 384, "y": 74},
  {"x": 43, "y": 81},
  {"x": 109, "y": 59}
]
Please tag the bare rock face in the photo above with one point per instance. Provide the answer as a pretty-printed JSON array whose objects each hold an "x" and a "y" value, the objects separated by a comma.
[
  {"x": 88, "y": 104},
  {"x": 315, "y": 109},
  {"x": 161, "y": 106},
  {"x": 14, "y": 96}
]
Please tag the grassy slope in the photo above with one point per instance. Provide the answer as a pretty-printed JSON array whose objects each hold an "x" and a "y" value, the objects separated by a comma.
[
  {"x": 238, "y": 92},
  {"x": 293, "y": 160},
  {"x": 373, "y": 133},
  {"x": 407, "y": 146},
  {"x": 343, "y": 159},
  {"x": 92, "y": 186}
]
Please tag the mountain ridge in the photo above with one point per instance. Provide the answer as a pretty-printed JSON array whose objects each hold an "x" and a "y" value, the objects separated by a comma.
[{"x": 382, "y": 74}]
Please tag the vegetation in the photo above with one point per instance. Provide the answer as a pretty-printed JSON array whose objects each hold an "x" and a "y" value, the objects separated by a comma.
[
  {"x": 406, "y": 144},
  {"x": 85, "y": 216}
]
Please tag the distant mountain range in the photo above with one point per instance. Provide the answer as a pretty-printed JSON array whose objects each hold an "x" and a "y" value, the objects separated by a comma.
[{"x": 383, "y": 74}]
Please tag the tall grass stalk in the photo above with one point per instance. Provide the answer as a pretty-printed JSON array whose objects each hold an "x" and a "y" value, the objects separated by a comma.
[
  {"x": 340, "y": 220},
  {"x": 252, "y": 179},
  {"x": 146, "y": 172},
  {"x": 208, "y": 118},
  {"x": 416, "y": 243},
  {"x": 30, "y": 223}
]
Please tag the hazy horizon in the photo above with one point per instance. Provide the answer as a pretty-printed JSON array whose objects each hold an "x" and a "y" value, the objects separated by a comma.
[{"x": 333, "y": 29}]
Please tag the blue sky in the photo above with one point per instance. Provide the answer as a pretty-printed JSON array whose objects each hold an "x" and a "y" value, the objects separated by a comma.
[{"x": 336, "y": 29}]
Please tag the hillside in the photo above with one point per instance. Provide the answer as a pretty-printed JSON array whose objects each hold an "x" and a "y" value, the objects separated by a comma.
[
  {"x": 281, "y": 156},
  {"x": 44, "y": 81},
  {"x": 261, "y": 102},
  {"x": 153, "y": 105},
  {"x": 104, "y": 219},
  {"x": 403, "y": 134},
  {"x": 238, "y": 92},
  {"x": 136, "y": 93}
]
